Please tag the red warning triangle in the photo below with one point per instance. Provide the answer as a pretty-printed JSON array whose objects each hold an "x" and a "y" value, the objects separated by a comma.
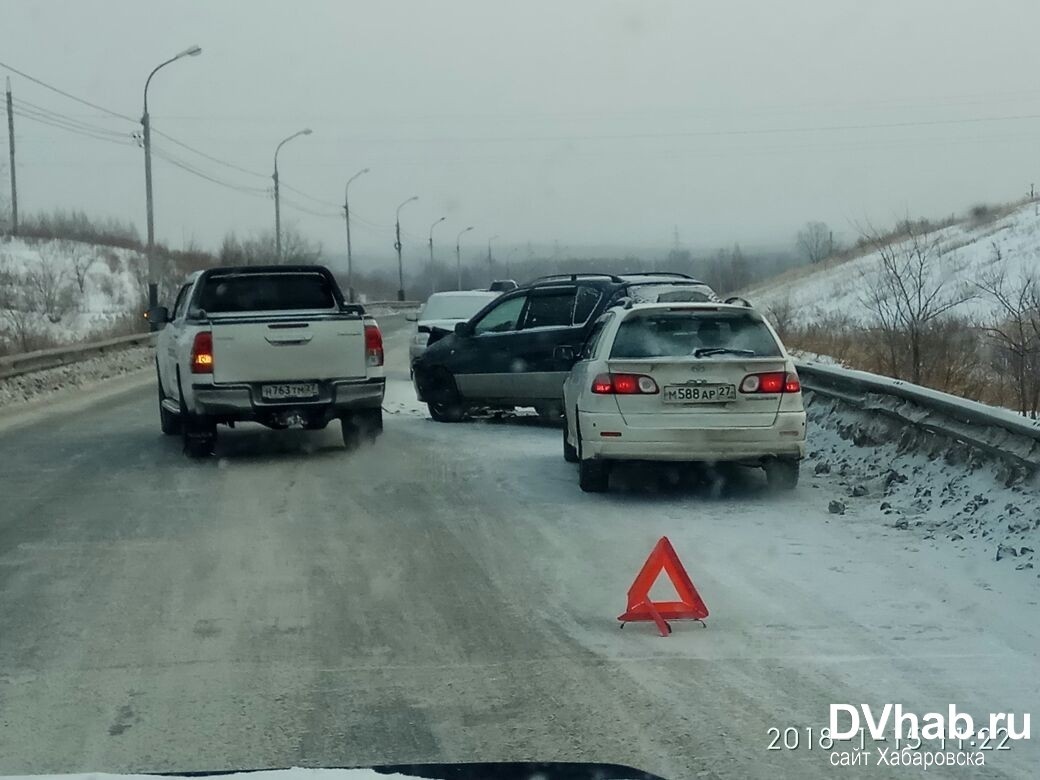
[{"x": 641, "y": 607}]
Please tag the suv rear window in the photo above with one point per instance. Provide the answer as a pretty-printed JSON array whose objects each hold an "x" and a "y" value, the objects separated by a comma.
[
  {"x": 679, "y": 334},
  {"x": 266, "y": 292}
]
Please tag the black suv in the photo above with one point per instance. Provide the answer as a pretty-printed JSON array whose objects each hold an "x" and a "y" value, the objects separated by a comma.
[{"x": 518, "y": 349}]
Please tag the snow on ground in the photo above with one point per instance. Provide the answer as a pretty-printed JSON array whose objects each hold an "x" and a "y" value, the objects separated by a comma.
[
  {"x": 39, "y": 385},
  {"x": 947, "y": 499},
  {"x": 968, "y": 254},
  {"x": 110, "y": 276}
]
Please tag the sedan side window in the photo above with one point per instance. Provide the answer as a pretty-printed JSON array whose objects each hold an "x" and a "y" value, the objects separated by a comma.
[{"x": 503, "y": 318}]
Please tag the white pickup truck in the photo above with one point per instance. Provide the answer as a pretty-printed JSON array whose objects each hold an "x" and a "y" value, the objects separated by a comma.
[{"x": 275, "y": 345}]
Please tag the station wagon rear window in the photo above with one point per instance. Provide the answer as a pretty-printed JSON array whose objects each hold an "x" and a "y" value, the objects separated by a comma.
[
  {"x": 681, "y": 334},
  {"x": 266, "y": 292}
]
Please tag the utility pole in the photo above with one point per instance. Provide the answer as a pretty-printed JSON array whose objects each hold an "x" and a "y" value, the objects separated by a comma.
[
  {"x": 397, "y": 246},
  {"x": 491, "y": 270},
  {"x": 346, "y": 214},
  {"x": 146, "y": 125},
  {"x": 10, "y": 145},
  {"x": 277, "y": 203},
  {"x": 433, "y": 276},
  {"x": 458, "y": 258}
]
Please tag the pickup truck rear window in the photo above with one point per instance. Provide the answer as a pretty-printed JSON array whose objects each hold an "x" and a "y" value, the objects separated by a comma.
[{"x": 266, "y": 292}]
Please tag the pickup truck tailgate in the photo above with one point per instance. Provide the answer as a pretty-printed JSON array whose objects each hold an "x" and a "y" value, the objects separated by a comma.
[{"x": 282, "y": 349}]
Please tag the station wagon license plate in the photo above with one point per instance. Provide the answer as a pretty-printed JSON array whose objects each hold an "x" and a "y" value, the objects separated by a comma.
[
  {"x": 699, "y": 394},
  {"x": 289, "y": 392}
]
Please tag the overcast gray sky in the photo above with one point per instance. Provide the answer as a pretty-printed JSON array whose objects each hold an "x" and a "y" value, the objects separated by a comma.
[{"x": 591, "y": 122}]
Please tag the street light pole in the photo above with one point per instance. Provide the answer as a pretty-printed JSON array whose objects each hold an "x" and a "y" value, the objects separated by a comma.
[
  {"x": 458, "y": 258},
  {"x": 277, "y": 203},
  {"x": 346, "y": 214},
  {"x": 146, "y": 136},
  {"x": 397, "y": 246},
  {"x": 491, "y": 271},
  {"x": 433, "y": 280}
]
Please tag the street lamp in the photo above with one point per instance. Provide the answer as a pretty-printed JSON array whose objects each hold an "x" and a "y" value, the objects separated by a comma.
[
  {"x": 433, "y": 280},
  {"x": 458, "y": 258},
  {"x": 277, "y": 204},
  {"x": 146, "y": 123},
  {"x": 346, "y": 214},
  {"x": 491, "y": 272},
  {"x": 397, "y": 246}
]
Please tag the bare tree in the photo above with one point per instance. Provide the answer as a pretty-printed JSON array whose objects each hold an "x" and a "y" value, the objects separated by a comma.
[
  {"x": 906, "y": 296},
  {"x": 261, "y": 250},
  {"x": 1017, "y": 330},
  {"x": 83, "y": 259},
  {"x": 49, "y": 291},
  {"x": 814, "y": 241}
]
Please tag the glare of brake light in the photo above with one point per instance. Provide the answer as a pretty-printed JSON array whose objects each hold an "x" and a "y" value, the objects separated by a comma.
[
  {"x": 792, "y": 384},
  {"x": 602, "y": 385},
  {"x": 204, "y": 360}
]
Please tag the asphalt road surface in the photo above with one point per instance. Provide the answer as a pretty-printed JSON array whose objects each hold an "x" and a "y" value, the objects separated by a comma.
[{"x": 449, "y": 594}]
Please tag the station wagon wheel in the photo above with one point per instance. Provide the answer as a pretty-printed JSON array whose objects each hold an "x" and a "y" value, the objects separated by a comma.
[{"x": 593, "y": 475}]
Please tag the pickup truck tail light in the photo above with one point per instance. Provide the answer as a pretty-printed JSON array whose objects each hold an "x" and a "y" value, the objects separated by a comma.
[
  {"x": 373, "y": 345},
  {"x": 202, "y": 353},
  {"x": 771, "y": 382},
  {"x": 624, "y": 384}
]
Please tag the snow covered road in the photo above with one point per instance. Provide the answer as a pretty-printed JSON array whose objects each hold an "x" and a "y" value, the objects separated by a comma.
[{"x": 449, "y": 594}]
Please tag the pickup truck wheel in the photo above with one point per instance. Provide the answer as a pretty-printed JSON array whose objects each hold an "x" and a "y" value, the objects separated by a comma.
[
  {"x": 364, "y": 425},
  {"x": 200, "y": 437}
]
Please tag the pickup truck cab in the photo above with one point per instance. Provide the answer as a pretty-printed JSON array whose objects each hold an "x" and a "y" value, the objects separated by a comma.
[{"x": 277, "y": 345}]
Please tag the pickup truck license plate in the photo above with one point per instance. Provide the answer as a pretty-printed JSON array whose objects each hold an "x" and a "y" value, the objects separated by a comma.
[
  {"x": 287, "y": 392},
  {"x": 699, "y": 394}
]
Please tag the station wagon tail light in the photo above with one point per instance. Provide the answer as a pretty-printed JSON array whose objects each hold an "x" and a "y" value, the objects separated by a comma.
[
  {"x": 202, "y": 353},
  {"x": 624, "y": 384},
  {"x": 373, "y": 346},
  {"x": 771, "y": 382}
]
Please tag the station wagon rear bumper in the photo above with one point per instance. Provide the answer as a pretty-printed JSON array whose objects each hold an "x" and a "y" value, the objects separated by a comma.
[{"x": 606, "y": 436}]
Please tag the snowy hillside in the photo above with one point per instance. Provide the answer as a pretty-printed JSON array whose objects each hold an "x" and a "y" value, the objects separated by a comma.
[
  {"x": 60, "y": 292},
  {"x": 966, "y": 254}
]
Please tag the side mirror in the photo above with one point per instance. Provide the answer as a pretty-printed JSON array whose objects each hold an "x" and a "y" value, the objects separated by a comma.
[
  {"x": 160, "y": 315},
  {"x": 566, "y": 354},
  {"x": 463, "y": 329},
  {"x": 411, "y": 317}
]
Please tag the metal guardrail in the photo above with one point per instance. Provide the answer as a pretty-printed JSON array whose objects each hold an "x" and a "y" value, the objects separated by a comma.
[
  {"x": 27, "y": 362},
  {"x": 997, "y": 431}
]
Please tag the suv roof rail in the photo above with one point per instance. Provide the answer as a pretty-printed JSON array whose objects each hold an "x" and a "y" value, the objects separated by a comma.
[
  {"x": 661, "y": 273},
  {"x": 575, "y": 277}
]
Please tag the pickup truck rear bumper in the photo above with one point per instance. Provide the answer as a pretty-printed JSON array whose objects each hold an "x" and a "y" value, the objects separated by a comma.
[{"x": 337, "y": 397}]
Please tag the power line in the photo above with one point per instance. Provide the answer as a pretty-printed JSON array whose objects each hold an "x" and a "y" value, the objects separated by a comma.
[
  {"x": 78, "y": 131},
  {"x": 70, "y": 96},
  {"x": 189, "y": 168},
  {"x": 32, "y": 108},
  {"x": 209, "y": 157}
]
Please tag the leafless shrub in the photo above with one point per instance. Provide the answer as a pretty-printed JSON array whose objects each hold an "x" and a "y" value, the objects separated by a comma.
[
  {"x": 781, "y": 316},
  {"x": 261, "y": 249},
  {"x": 83, "y": 259}
]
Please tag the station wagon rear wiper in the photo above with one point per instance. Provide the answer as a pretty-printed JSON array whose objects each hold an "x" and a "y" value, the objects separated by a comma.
[{"x": 709, "y": 351}]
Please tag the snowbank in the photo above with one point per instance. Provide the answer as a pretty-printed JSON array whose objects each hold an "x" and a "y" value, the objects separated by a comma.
[
  {"x": 968, "y": 254},
  {"x": 90, "y": 288}
]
